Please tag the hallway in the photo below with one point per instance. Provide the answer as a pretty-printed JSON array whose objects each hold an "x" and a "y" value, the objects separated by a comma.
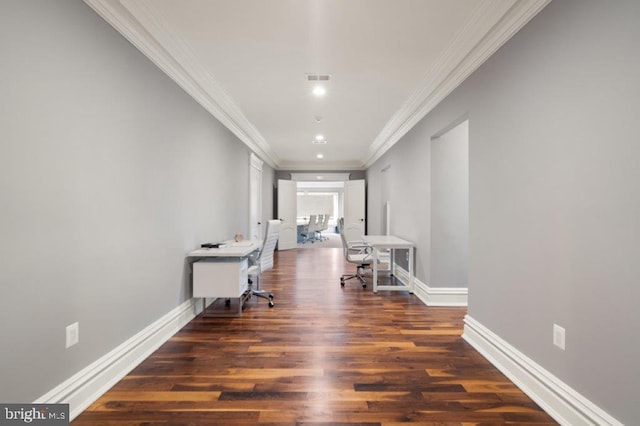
[{"x": 323, "y": 354}]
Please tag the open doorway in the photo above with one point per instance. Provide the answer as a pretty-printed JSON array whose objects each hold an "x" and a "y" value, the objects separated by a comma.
[
  {"x": 332, "y": 198},
  {"x": 319, "y": 206}
]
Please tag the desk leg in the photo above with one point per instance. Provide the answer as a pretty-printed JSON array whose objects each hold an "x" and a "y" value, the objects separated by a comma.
[
  {"x": 411, "y": 272},
  {"x": 392, "y": 265},
  {"x": 375, "y": 270}
]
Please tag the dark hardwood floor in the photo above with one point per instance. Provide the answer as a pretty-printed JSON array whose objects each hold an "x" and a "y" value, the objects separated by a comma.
[{"x": 323, "y": 355}]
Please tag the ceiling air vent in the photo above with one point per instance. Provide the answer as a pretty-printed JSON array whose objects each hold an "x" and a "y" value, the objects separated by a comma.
[{"x": 318, "y": 77}]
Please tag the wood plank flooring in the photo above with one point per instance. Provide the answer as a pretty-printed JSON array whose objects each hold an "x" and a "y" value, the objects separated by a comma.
[{"x": 323, "y": 355}]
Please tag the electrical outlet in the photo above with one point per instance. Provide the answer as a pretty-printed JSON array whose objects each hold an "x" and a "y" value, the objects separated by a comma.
[
  {"x": 73, "y": 334},
  {"x": 558, "y": 336}
]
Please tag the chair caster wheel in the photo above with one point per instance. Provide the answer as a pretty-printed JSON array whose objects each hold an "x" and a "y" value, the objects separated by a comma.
[
  {"x": 364, "y": 286},
  {"x": 271, "y": 304}
]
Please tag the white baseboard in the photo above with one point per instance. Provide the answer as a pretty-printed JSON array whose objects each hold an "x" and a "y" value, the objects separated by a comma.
[
  {"x": 559, "y": 400},
  {"x": 435, "y": 296},
  {"x": 86, "y": 386}
]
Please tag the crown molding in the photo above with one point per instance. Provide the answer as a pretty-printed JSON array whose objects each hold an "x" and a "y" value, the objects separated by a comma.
[
  {"x": 491, "y": 25},
  {"x": 320, "y": 177},
  {"x": 139, "y": 23},
  {"x": 321, "y": 165}
]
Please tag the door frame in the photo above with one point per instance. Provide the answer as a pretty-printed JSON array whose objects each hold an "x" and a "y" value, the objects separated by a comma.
[{"x": 255, "y": 197}]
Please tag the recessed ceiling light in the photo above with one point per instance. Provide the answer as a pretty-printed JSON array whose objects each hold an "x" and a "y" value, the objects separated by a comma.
[
  {"x": 319, "y": 138},
  {"x": 319, "y": 156},
  {"x": 319, "y": 177},
  {"x": 319, "y": 91}
]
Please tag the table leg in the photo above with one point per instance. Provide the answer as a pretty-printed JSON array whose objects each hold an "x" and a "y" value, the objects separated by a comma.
[
  {"x": 375, "y": 270},
  {"x": 392, "y": 261},
  {"x": 411, "y": 272}
]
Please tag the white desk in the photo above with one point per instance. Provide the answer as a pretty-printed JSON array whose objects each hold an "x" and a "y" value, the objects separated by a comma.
[
  {"x": 232, "y": 250},
  {"x": 384, "y": 242},
  {"x": 222, "y": 272}
]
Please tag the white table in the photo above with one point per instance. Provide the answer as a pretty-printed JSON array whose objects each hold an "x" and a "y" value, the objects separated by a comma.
[
  {"x": 232, "y": 250},
  {"x": 222, "y": 272},
  {"x": 390, "y": 242}
]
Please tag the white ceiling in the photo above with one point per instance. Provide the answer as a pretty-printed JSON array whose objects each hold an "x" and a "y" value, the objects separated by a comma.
[{"x": 390, "y": 61}]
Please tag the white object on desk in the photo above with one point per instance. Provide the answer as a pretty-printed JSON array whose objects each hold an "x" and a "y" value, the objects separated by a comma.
[
  {"x": 384, "y": 242},
  {"x": 243, "y": 243}
]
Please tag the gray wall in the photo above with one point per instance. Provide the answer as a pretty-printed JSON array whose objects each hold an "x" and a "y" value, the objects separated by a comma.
[
  {"x": 402, "y": 177},
  {"x": 378, "y": 193},
  {"x": 449, "y": 231},
  {"x": 109, "y": 175},
  {"x": 554, "y": 194}
]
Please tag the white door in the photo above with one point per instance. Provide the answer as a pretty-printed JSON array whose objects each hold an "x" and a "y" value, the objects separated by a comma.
[
  {"x": 255, "y": 200},
  {"x": 354, "y": 221},
  {"x": 287, "y": 212}
]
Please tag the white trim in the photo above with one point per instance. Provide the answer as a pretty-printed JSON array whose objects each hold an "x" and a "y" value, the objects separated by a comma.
[
  {"x": 142, "y": 26},
  {"x": 255, "y": 197},
  {"x": 255, "y": 162},
  {"x": 387, "y": 218},
  {"x": 326, "y": 177},
  {"x": 562, "y": 402},
  {"x": 336, "y": 165},
  {"x": 87, "y": 385},
  {"x": 434, "y": 296},
  {"x": 490, "y": 26}
]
